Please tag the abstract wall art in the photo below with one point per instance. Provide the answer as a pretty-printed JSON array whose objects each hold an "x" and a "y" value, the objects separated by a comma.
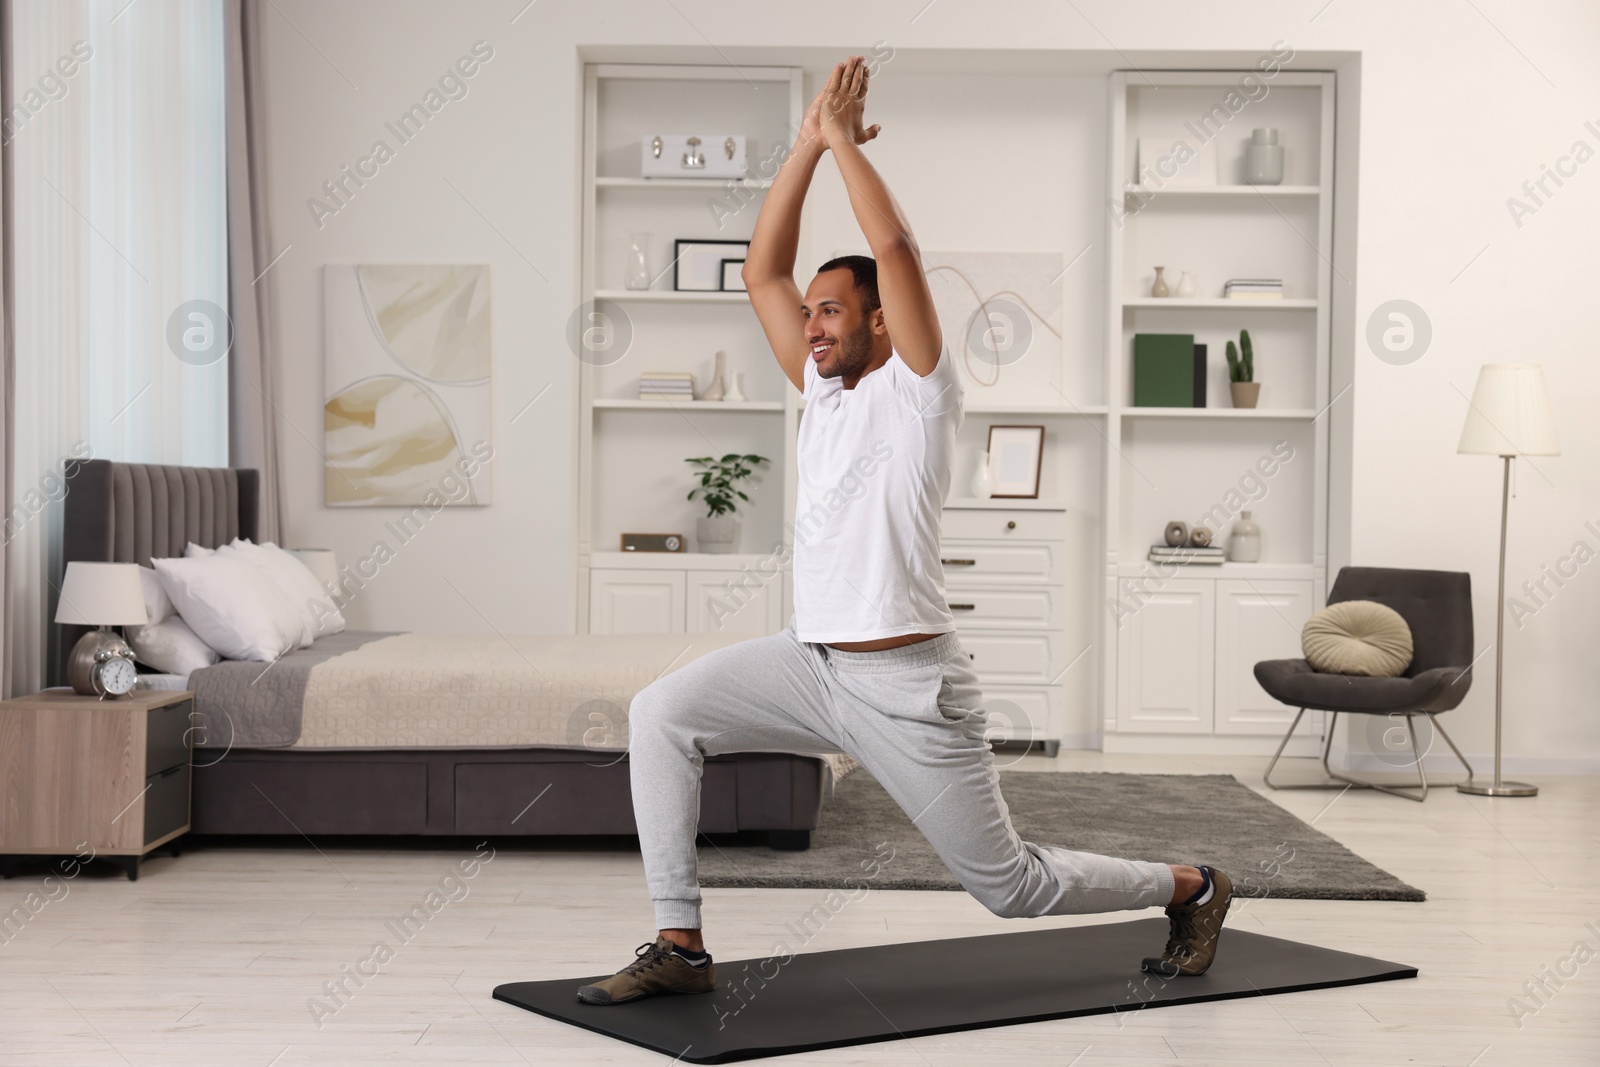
[
  {"x": 406, "y": 385},
  {"x": 998, "y": 309}
]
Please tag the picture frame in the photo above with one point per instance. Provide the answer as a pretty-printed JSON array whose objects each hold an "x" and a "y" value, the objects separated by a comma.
[
  {"x": 1174, "y": 161},
  {"x": 732, "y": 282},
  {"x": 697, "y": 263},
  {"x": 1015, "y": 453}
]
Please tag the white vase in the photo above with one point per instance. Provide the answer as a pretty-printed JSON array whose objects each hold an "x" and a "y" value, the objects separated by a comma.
[
  {"x": 1263, "y": 162},
  {"x": 716, "y": 388},
  {"x": 718, "y": 535},
  {"x": 1185, "y": 286},
  {"x": 1244, "y": 545},
  {"x": 982, "y": 480},
  {"x": 735, "y": 393},
  {"x": 1159, "y": 286}
]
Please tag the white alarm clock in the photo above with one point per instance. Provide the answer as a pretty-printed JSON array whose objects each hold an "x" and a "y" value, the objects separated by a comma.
[{"x": 101, "y": 665}]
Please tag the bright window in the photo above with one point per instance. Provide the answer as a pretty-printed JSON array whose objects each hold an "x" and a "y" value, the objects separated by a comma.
[{"x": 121, "y": 223}]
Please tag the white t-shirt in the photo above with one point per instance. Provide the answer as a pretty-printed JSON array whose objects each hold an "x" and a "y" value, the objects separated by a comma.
[{"x": 874, "y": 467}]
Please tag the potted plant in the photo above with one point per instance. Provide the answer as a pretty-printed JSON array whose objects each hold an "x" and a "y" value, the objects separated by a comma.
[
  {"x": 718, "y": 532},
  {"x": 1242, "y": 372}
]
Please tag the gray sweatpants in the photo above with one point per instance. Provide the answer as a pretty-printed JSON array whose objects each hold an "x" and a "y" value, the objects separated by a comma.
[{"x": 913, "y": 718}]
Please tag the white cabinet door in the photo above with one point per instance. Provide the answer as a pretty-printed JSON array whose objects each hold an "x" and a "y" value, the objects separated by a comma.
[
  {"x": 734, "y": 602},
  {"x": 1256, "y": 620},
  {"x": 636, "y": 602},
  {"x": 1165, "y": 663}
]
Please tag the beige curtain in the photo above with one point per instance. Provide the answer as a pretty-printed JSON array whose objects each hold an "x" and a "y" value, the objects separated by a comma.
[
  {"x": 8, "y": 352},
  {"x": 252, "y": 405}
]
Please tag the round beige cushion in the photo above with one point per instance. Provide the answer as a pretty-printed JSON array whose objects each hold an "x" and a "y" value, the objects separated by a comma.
[{"x": 1360, "y": 637}]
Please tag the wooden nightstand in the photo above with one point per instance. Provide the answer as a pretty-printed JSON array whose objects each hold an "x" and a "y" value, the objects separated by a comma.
[{"x": 77, "y": 773}]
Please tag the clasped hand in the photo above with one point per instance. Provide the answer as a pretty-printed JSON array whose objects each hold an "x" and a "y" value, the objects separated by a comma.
[{"x": 835, "y": 116}]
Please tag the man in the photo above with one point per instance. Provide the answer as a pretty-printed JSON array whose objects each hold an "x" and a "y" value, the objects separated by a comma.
[{"x": 870, "y": 663}]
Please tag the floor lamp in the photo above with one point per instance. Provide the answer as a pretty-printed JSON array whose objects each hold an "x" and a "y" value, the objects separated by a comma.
[{"x": 1509, "y": 417}]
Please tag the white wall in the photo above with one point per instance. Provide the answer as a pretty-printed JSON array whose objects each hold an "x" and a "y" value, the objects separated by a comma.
[{"x": 1457, "y": 112}]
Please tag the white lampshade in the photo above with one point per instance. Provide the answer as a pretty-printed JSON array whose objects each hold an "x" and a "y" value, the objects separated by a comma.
[
  {"x": 322, "y": 565},
  {"x": 102, "y": 594},
  {"x": 1510, "y": 413}
]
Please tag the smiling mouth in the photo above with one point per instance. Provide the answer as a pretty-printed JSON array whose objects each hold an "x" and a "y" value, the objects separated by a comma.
[{"x": 819, "y": 352}]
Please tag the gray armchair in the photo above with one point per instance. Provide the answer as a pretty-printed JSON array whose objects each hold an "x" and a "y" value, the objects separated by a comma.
[{"x": 1437, "y": 605}]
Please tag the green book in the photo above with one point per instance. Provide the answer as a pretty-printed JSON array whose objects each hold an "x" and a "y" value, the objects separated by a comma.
[{"x": 1163, "y": 370}]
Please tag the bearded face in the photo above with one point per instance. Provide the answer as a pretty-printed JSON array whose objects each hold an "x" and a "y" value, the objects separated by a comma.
[
  {"x": 851, "y": 354},
  {"x": 839, "y": 336}
]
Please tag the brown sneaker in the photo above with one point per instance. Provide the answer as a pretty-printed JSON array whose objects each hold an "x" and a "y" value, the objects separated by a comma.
[
  {"x": 657, "y": 971},
  {"x": 1196, "y": 928}
]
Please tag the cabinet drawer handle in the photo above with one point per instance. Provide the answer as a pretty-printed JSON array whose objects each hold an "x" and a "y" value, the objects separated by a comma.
[
  {"x": 959, "y": 562},
  {"x": 963, "y": 607}
]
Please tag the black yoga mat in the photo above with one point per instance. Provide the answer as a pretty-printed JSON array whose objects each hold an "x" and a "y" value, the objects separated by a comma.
[{"x": 794, "y": 1003}]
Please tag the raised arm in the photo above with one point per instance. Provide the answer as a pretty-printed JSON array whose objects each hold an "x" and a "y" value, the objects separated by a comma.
[
  {"x": 908, "y": 310},
  {"x": 769, "y": 264}
]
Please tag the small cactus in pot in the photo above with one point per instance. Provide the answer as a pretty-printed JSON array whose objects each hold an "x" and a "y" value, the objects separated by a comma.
[{"x": 1242, "y": 372}]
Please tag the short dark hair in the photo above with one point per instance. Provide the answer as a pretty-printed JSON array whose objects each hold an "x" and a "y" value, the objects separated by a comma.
[{"x": 864, "y": 270}]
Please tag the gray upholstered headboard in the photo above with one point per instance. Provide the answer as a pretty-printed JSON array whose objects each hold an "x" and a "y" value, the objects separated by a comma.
[{"x": 131, "y": 512}]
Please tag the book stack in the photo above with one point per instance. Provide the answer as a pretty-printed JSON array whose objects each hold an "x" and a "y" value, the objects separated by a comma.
[
  {"x": 1253, "y": 289},
  {"x": 1186, "y": 554},
  {"x": 666, "y": 385}
]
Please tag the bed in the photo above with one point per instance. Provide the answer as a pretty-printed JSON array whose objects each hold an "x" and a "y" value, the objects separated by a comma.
[{"x": 400, "y": 733}]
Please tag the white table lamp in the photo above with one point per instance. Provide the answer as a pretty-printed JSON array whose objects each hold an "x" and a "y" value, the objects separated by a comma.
[
  {"x": 1509, "y": 417},
  {"x": 322, "y": 564},
  {"x": 101, "y": 595}
]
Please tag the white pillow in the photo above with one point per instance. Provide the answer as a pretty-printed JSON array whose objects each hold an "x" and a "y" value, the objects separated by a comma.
[
  {"x": 157, "y": 605},
  {"x": 192, "y": 550},
  {"x": 231, "y": 605},
  {"x": 296, "y": 583},
  {"x": 170, "y": 647},
  {"x": 244, "y": 551}
]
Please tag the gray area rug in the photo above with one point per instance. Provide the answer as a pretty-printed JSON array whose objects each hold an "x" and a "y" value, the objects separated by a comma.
[{"x": 865, "y": 839}]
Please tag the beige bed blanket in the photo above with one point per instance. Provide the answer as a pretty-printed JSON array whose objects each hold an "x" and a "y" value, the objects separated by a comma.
[
  {"x": 472, "y": 691},
  {"x": 485, "y": 691}
]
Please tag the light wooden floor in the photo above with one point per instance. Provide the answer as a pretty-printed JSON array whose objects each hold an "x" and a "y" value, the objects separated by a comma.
[{"x": 211, "y": 958}]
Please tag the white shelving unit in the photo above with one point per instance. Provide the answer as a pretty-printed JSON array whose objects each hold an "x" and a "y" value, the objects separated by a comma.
[
  {"x": 1172, "y": 676},
  {"x": 700, "y": 184},
  {"x": 709, "y": 406},
  {"x": 1219, "y": 303},
  {"x": 1177, "y": 648},
  {"x": 1133, "y": 189},
  {"x": 667, "y": 296},
  {"x": 631, "y": 471},
  {"x": 1218, "y": 413}
]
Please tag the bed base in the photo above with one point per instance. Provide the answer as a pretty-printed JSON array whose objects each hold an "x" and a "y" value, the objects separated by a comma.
[{"x": 488, "y": 792}]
